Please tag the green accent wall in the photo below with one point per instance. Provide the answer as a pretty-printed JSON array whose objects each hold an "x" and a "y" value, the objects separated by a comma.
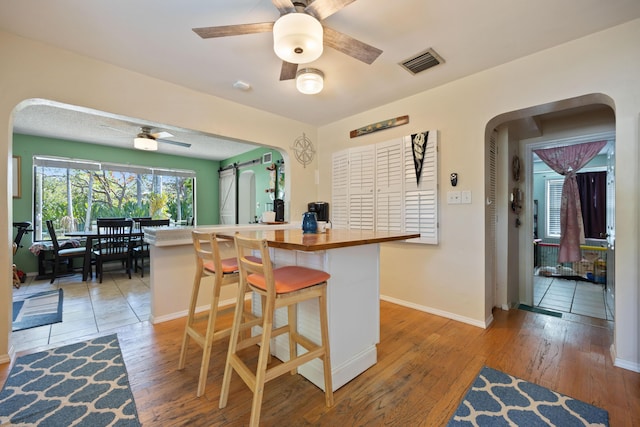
[
  {"x": 26, "y": 146},
  {"x": 260, "y": 171}
]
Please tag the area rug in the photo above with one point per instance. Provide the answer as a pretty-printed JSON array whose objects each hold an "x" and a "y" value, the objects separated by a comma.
[
  {"x": 43, "y": 308},
  {"x": 498, "y": 399},
  {"x": 83, "y": 384}
]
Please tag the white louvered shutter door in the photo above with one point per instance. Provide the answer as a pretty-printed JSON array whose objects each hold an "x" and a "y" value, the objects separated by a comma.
[
  {"x": 421, "y": 200},
  {"x": 361, "y": 188},
  {"x": 340, "y": 189},
  {"x": 389, "y": 186}
]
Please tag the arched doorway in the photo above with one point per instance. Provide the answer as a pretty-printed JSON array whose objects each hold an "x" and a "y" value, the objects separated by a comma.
[{"x": 510, "y": 263}]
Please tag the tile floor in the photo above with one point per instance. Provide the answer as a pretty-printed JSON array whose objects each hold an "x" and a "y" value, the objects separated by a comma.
[
  {"x": 571, "y": 296},
  {"x": 87, "y": 307}
]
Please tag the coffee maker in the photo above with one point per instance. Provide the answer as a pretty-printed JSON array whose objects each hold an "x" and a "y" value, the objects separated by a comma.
[
  {"x": 321, "y": 209},
  {"x": 278, "y": 208}
]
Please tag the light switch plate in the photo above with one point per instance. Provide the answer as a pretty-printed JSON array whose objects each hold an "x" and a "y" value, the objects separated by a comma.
[
  {"x": 466, "y": 197},
  {"x": 453, "y": 197}
]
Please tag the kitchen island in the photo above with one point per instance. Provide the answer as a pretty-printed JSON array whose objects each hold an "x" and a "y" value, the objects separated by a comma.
[{"x": 350, "y": 256}]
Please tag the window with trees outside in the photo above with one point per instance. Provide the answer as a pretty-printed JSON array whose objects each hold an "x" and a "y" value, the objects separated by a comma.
[{"x": 74, "y": 193}]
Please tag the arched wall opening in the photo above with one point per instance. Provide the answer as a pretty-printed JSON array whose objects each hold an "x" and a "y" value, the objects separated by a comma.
[{"x": 509, "y": 257}]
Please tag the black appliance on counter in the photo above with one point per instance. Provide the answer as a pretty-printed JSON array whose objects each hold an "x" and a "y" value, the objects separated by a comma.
[
  {"x": 321, "y": 209},
  {"x": 278, "y": 208}
]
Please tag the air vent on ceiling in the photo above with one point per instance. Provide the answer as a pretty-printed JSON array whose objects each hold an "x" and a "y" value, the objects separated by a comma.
[{"x": 421, "y": 62}]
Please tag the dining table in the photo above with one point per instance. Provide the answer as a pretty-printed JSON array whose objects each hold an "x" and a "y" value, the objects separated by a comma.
[{"x": 89, "y": 236}]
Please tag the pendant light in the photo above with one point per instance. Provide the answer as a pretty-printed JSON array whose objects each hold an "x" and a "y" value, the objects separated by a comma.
[
  {"x": 145, "y": 142},
  {"x": 297, "y": 38}
]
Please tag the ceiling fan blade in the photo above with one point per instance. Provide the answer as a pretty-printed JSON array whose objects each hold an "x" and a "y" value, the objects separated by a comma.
[
  {"x": 350, "y": 46},
  {"x": 178, "y": 143},
  {"x": 233, "y": 30},
  {"x": 161, "y": 134},
  {"x": 284, "y": 6},
  {"x": 288, "y": 71},
  {"x": 114, "y": 128},
  {"x": 322, "y": 9}
]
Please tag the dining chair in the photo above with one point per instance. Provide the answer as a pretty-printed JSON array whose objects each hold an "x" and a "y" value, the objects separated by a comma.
[
  {"x": 140, "y": 247},
  {"x": 114, "y": 244},
  {"x": 278, "y": 287},
  {"x": 62, "y": 255},
  {"x": 138, "y": 219}
]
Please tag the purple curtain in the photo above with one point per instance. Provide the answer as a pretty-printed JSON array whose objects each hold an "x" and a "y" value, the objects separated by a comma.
[
  {"x": 593, "y": 200},
  {"x": 567, "y": 161}
]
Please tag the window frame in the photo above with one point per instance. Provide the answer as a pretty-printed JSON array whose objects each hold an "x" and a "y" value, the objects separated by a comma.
[{"x": 549, "y": 182}]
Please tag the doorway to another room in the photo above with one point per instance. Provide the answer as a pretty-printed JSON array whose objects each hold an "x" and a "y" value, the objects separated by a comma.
[
  {"x": 579, "y": 287},
  {"x": 521, "y": 269}
]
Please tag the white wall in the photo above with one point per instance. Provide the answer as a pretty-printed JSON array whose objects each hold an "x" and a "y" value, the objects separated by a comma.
[{"x": 449, "y": 278}]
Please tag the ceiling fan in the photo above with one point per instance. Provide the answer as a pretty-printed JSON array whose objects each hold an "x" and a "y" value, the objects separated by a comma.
[
  {"x": 146, "y": 140},
  {"x": 299, "y": 35}
]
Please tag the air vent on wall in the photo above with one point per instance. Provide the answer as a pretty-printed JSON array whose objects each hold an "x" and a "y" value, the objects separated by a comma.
[{"x": 422, "y": 61}]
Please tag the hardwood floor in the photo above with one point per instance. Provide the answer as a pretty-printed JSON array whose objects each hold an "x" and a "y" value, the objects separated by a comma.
[{"x": 425, "y": 365}]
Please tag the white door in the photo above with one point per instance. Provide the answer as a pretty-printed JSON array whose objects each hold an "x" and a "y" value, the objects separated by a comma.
[
  {"x": 611, "y": 229},
  {"x": 247, "y": 197},
  {"x": 340, "y": 189},
  {"x": 361, "y": 185},
  {"x": 389, "y": 214},
  {"x": 228, "y": 196}
]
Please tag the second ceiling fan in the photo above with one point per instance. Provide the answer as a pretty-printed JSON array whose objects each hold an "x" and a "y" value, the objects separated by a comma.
[{"x": 299, "y": 35}]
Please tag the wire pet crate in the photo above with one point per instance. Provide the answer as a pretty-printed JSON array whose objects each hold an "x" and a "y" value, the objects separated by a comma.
[{"x": 592, "y": 265}]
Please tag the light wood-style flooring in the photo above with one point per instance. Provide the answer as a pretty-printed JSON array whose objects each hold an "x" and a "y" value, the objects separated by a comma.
[{"x": 425, "y": 365}]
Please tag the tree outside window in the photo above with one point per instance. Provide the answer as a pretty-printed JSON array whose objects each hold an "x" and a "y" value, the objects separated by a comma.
[{"x": 73, "y": 193}]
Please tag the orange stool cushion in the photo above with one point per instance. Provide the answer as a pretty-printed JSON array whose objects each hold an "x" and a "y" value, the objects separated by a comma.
[
  {"x": 229, "y": 265},
  {"x": 290, "y": 278}
]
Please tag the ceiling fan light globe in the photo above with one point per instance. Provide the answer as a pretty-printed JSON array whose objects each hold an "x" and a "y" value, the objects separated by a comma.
[
  {"x": 309, "y": 81},
  {"x": 298, "y": 38},
  {"x": 145, "y": 143}
]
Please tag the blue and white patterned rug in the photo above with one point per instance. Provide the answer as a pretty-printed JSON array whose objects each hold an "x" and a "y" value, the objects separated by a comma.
[
  {"x": 498, "y": 399},
  {"x": 83, "y": 384}
]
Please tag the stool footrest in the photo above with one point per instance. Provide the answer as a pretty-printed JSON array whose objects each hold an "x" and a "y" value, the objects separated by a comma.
[{"x": 278, "y": 370}]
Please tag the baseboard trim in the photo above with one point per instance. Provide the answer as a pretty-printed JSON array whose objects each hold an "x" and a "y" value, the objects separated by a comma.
[{"x": 441, "y": 313}]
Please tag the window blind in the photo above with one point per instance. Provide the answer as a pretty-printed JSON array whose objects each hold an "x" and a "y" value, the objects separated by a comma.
[{"x": 554, "y": 201}]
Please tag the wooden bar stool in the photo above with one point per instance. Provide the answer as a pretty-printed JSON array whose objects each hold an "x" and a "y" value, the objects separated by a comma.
[
  {"x": 280, "y": 287},
  {"x": 225, "y": 272}
]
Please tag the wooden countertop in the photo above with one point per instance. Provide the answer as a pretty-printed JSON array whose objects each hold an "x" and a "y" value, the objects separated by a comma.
[{"x": 294, "y": 239}]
